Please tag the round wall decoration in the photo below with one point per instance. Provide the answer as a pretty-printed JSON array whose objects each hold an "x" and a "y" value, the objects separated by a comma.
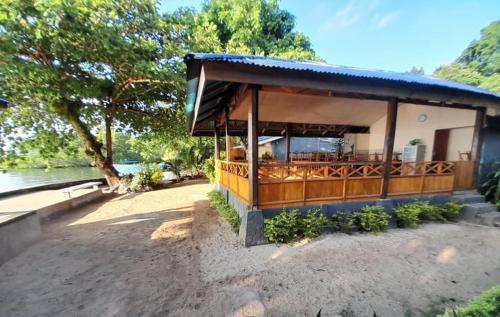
[{"x": 422, "y": 117}]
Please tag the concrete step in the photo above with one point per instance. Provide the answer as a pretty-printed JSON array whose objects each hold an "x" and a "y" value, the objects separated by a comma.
[
  {"x": 472, "y": 210},
  {"x": 466, "y": 192},
  {"x": 491, "y": 218},
  {"x": 468, "y": 198}
]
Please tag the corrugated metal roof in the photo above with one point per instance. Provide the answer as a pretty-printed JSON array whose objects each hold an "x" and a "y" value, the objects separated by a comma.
[{"x": 317, "y": 67}]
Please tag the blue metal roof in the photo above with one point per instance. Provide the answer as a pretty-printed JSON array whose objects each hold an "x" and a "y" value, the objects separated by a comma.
[{"x": 318, "y": 67}]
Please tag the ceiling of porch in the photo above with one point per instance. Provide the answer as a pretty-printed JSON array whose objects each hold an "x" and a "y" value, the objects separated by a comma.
[{"x": 279, "y": 106}]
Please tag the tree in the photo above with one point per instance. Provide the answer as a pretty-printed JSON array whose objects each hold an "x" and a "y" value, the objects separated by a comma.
[
  {"x": 479, "y": 63},
  {"x": 257, "y": 27},
  {"x": 68, "y": 66},
  {"x": 416, "y": 71}
]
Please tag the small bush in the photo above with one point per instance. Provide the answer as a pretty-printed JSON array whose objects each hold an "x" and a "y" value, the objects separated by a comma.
[
  {"x": 283, "y": 228},
  {"x": 407, "y": 215},
  {"x": 450, "y": 211},
  {"x": 149, "y": 177},
  {"x": 209, "y": 169},
  {"x": 430, "y": 212},
  {"x": 485, "y": 305},
  {"x": 344, "y": 221},
  {"x": 312, "y": 224},
  {"x": 373, "y": 219},
  {"x": 217, "y": 202}
]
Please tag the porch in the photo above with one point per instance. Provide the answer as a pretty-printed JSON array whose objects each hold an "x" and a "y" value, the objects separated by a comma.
[{"x": 375, "y": 116}]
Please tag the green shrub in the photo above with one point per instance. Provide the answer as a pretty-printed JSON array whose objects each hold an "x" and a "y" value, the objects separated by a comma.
[
  {"x": 407, "y": 215},
  {"x": 218, "y": 202},
  {"x": 209, "y": 169},
  {"x": 312, "y": 224},
  {"x": 485, "y": 305},
  {"x": 450, "y": 211},
  {"x": 283, "y": 228},
  {"x": 491, "y": 187},
  {"x": 430, "y": 212},
  {"x": 344, "y": 221},
  {"x": 149, "y": 177},
  {"x": 373, "y": 219}
]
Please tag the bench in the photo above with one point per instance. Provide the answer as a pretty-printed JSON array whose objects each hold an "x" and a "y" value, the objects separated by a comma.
[{"x": 68, "y": 190}]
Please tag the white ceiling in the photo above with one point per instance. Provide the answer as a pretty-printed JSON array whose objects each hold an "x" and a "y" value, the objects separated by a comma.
[{"x": 301, "y": 108}]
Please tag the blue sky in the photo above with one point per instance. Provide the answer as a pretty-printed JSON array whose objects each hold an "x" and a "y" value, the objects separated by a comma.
[{"x": 386, "y": 34}]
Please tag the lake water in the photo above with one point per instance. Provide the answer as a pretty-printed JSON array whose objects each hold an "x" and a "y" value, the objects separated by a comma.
[{"x": 17, "y": 179}]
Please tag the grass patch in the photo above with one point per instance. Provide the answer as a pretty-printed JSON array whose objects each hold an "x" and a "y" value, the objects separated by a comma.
[
  {"x": 218, "y": 202},
  {"x": 485, "y": 305}
]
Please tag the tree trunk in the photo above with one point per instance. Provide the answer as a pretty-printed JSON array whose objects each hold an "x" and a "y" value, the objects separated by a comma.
[
  {"x": 93, "y": 148},
  {"x": 108, "y": 119}
]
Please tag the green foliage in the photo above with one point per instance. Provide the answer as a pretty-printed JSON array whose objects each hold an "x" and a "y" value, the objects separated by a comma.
[
  {"x": 312, "y": 224},
  {"x": 485, "y": 305},
  {"x": 149, "y": 177},
  {"x": 373, "y": 219},
  {"x": 209, "y": 169},
  {"x": 344, "y": 221},
  {"x": 218, "y": 202},
  {"x": 250, "y": 27},
  {"x": 491, "y": 187},
  {"x": 283, "y": 228},
  {"x": 450, "y": 211},
  {"x": 416, "y": 70},
  {"x": 479, "y": 63},
  {"x": 430, "y": 212},
  {"x": 407, "y": 215}
]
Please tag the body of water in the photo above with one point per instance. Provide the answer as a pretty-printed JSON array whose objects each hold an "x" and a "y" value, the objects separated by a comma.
[{"x": 22, "y": 178}]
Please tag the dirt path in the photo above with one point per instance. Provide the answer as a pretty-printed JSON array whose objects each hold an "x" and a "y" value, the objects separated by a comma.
[{"x": 165, "y": 253}]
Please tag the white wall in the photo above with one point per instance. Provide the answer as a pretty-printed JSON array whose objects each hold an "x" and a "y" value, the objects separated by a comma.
[
  {"x": 408, "y": 127},
  {"x": 460, "y": 141}
]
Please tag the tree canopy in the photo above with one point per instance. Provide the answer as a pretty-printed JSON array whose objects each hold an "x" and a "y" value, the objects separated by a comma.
[
  {"x": 479, "y": 63},
  {"x": 73, "y": 68}
]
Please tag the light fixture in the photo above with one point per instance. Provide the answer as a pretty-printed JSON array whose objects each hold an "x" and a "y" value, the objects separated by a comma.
[{"x": 422, "y": 118}]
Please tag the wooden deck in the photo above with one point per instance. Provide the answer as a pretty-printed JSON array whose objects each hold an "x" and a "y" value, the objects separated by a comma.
[{"x": 295, "y": 184}]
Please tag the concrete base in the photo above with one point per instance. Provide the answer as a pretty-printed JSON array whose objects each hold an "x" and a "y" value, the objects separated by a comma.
[
  {"x": 252, "y": 228},
  {"x": 54, "y": 210},
  {"x": 18, "y": 233}
]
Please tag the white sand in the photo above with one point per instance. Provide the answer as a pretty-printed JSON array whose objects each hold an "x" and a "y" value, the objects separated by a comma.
[{"x": 165, "y": 253}]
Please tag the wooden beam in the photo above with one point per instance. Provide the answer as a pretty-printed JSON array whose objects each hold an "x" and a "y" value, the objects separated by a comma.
[
  {"x": 477, "y": 141},
  {"x": 228, "y": 139},
  {"x": 384, "y": 89},
  {"x": 217, "y": 144},
  {"x": 253, "y": 159},
  {"x": 390, "y": 132},
  {"x": 287, "y": 145}
]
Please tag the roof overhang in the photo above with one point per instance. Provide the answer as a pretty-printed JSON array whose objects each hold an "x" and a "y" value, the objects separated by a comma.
[{"x": 213, "y": 82}]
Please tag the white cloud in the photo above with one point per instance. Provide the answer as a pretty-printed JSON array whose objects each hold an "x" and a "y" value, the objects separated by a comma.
[
  {"x": 387, "y": 19},
  {"x": 343, "y": 18}
]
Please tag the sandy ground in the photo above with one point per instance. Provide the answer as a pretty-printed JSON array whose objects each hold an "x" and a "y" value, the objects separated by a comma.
[{"x": 165, "y": 253}]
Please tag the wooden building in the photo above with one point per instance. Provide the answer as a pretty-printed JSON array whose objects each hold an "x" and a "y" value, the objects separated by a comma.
[{"x": 380, "y": 112}]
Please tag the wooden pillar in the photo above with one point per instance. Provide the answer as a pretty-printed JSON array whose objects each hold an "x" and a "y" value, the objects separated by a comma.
[
  {"x": 217, "y": 144},
  {"x": 228, "y": 139},
  {"x": 390, "y": 132},
  {"x": 253, "y": 118},
  {"x": 287, "y": 145},
  {"x": 477, "y": 141}
]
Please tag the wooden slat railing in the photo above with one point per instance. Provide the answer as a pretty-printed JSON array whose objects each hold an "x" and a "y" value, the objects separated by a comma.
[{"x": 283, "y": 185}]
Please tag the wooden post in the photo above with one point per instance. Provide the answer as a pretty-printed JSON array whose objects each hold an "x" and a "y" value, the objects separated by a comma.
[
  {"x": 217, "y": 144},
  {"x": 390, "y": 132},
  {"x": 253, "y": 118},
  {"x": 287, "y": 145},
  {"x": 228, "y": 139},
  {"x": 477, "y": 141}
]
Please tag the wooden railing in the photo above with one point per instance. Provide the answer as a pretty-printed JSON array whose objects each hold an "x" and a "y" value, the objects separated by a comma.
[
  {"x": 234, "y": 176},
  {"x": 283, "y": 185}
]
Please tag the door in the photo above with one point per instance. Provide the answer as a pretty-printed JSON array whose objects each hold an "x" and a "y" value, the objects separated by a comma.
[{"x": 440, "y": 148}]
